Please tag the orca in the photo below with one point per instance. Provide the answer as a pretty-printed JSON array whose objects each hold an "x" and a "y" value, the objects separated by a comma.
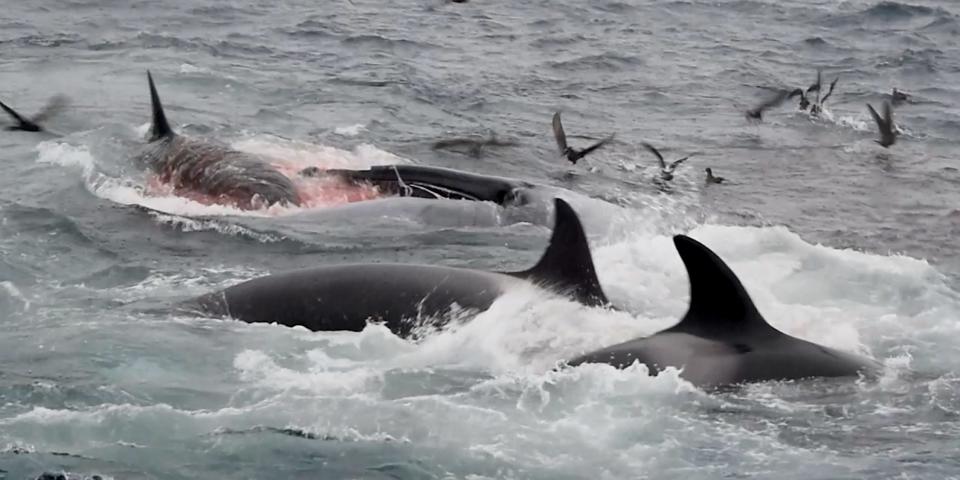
[
  {"x": 209, "y": 168},
  {"x": 403, "y": 296},
  {"x": 723, "y": 339}
]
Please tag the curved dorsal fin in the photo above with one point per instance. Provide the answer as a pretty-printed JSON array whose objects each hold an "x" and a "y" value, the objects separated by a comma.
[
  {"x": 160, "y": 128},
  {"x": 719, "y": 305},
  {"x": 567, "y": 264}
]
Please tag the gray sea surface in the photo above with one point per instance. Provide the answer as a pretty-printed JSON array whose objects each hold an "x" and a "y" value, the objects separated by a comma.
[{"x": 838, "y": 240}]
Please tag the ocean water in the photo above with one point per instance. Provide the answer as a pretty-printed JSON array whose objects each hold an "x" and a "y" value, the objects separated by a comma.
[{"x": 838, "y": 240}]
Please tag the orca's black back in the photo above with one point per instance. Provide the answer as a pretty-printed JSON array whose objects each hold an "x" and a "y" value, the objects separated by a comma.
[{"x": 345, "y": 297}]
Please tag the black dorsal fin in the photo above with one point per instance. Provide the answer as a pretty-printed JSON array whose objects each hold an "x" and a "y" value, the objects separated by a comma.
[
  {"x": 160, "y": 128},
  {"x": 719, "y": 305},
  {"x": 567, "y": 264}
]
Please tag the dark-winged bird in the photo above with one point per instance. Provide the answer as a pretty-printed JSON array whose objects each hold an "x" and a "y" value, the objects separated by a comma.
[
  {"x": 898, "y": 97},
  {"x": 818, "y": 107},
  {"x": 815, "y": 87},
  {"x": 888, "y": 133},
  {"x": 778, "y": 97},
  {"x": 35, "y": 124},
  {"x": 571, "y": 153},
  {"x": 711, "y": 178},
  {"x": 666, "y": 170}
]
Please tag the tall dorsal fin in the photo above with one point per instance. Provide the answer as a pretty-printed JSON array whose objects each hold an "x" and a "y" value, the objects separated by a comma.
[
  {"x": 567, "y": 264},
  {"x": 719, "y": 305},
  {"x": 160, "y": 128}
]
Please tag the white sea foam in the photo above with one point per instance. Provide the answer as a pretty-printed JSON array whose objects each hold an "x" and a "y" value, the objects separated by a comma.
[
  {"x": 486, "y": 391},
  {"x": 10, "y": 290},
  {"x": 350, "y": 130}
]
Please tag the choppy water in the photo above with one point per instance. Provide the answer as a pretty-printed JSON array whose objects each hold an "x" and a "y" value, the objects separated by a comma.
[{"x": 839, "y": 241}]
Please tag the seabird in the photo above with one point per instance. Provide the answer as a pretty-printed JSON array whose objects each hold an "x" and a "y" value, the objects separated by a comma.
[
  {"x": 779, "y": 97},
  {"x": 804, "y": 100},
  {"x": 571, "y": 153},
  {"x": 898, "y": 97},
  {"x": 666, "y": 171},
  {"x": 711, "y": 178},
  {"x": 815, "y": 87},
  {"x": 888, "y": 134},
  {"x": 56, "y": 104},
  {"x": 818, "y": 107}
]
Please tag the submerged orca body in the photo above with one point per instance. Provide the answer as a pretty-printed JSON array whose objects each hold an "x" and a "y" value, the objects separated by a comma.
[
  {"x": 210, "y": 168},
  {"x": 723, "y": 339},
  {"x": 404, "y": 297}
]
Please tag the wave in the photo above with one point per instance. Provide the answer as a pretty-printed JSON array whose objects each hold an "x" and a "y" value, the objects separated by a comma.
[
  {"x": 288, "y": 431},
  {"x": 898, "y": 11},
  {"x": 924, "y": 61},
  {"x": 604, "y": 61},
  {"x": 187, "y": 224},
  {"x": 816, "y": 42},
  {"x": 886, "y": 12},
  {"x": 46, "y": 41},
  {"x": 231, "y": 12},
  {"x": 152, "y": 40},
  {"x": 489, "y": 387},
  {"x": 373, "y": 41},
  {"x": 943, "y": 24},
  {"x": 235, "y": 46},
  {"x": 46, "y": 222},
  {"x": 12, "y": 298},
  {"x": 309, "y": 30},
  {"x": 845, "y": 299}
]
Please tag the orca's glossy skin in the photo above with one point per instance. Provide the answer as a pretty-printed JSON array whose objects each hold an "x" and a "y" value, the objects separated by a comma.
[
  {"x": 347, "y": 297},
  {"x": 723, "y": 339}
]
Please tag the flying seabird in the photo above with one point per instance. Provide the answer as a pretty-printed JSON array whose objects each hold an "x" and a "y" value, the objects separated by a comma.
[
  {"x": 56, "y": 104},
  {"x": 571, "y": 153},
  {"x": 779, "y": 97},
  {"x": 666, "y": 171},
  {"x": 818, "y": 107},
  {"x": 888, "y": 134}
]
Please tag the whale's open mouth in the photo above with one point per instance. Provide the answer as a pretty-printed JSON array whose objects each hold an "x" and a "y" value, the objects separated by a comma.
[
  {"x": 319, "y": 187},
  {"x": 426, "y": 182},
  {"x": 323, "y": 192},
  {"x": 335, "y": 191}
]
